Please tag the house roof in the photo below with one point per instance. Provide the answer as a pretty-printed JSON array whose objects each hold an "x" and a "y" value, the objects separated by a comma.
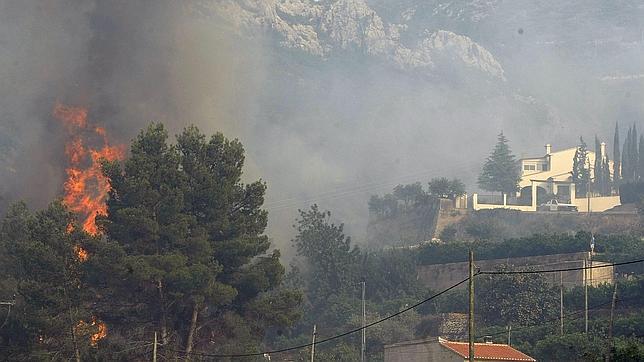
[{"x": 487, "y": 351}]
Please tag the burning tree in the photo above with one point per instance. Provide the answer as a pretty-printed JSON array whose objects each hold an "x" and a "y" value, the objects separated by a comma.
[
  {"x": 86, "y": 187},
  {"x": 40, "y": 265}
]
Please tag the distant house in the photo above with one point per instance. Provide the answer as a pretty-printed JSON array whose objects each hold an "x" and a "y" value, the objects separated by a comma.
[
  {"x": 438, "y": 349},
  {"x": 551, "y": 174}
]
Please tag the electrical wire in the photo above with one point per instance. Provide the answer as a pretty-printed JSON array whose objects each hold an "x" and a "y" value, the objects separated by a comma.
[
  {"x": 276, "y": 351},
  {"x": 201, "y": 354},
  {"x": 497, "y": 272}
]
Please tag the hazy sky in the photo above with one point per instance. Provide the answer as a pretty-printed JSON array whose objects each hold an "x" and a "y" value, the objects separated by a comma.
[{"x": 330, "y": 130}]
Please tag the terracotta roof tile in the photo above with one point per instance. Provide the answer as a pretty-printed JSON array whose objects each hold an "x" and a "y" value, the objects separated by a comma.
[{"x": 487, "y": 351}]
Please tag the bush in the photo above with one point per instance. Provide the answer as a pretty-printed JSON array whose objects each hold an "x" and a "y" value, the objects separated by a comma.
[
  {"x": 631, "y": 193},
  {"x": 448, "y": 233}
]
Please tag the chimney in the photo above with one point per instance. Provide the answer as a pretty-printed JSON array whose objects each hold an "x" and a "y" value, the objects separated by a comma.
[
  {"x": 548, "y": 149},
  {"x": 602, "y": 151},
  {"x": 488, "y": 340}
]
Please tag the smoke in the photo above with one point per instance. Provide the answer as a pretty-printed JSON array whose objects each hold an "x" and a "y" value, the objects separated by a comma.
[{"x": 328, "y": 130}]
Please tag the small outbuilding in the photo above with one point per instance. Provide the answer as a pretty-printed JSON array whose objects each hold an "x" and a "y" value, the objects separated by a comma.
[{"x": 439, "y": 349}]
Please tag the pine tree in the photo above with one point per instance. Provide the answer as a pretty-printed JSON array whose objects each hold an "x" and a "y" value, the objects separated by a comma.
[
  {"x": 500, "y": 171},
  {"x": 617, "y": 175},
  {"x": 40, "y": 263},
  {"x": 580, "y": 171},
  {"x": 193, "y": 261}
]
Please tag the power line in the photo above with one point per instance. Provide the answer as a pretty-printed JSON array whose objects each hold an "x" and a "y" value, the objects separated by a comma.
[
  {"x": 202, "y": 354},
  {"x": 497, "y": 272},
  {"x": 575, "y": 313},
  {"x": 330, "y": 338}
]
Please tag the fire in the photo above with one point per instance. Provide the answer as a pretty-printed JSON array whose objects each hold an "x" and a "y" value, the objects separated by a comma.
[
  {"x": 81, "y": 253},
  {"x": 101, "y": 330},
  {"x": 85, "y": 188}
]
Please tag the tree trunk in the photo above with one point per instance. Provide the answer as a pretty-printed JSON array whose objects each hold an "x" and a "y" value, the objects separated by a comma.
[
  {"x": 191, "y": 332},
  {"x": 76, "y": 351},
  {"x": 164, "y": 312}
]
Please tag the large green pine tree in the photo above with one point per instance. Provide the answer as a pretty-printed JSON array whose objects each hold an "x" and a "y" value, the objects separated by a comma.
[
  {"x": 500, "y": 171},
  {"x": 186, "y": 247}
]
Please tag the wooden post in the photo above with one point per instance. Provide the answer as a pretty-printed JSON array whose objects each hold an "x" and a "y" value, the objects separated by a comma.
[
  {"x": 561, "y": 304},
  {"x": 586, "y": 297},
  {"x": 611, "y": 341},
  {"x": 154, "y": 348},
  {"x": 471, "y": 309},
  {"x": 313, "y": 344},
  {"x": 364, "y": 323}
]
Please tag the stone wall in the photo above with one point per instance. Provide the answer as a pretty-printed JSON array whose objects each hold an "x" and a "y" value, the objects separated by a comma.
[{"x": 441, "y": 276}]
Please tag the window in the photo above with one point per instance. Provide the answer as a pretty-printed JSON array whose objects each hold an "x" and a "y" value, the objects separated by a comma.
[{"x": 529, "y": 167}]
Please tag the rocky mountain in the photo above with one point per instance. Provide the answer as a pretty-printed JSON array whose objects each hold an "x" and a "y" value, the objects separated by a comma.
[{"x": 325, "y": 28}]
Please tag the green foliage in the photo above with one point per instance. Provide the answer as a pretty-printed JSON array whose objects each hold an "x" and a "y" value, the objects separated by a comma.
[
  {"x": 412, "y": 197},
  {"x": 630, "y": 156},
  {"x": 602, "y": 181},
  {"x": 448, "y": 233},
  {"x": 580, "y": 168},
  {"x": 631, "y": 192},
  {"x": 500, "y": 171},
  {"x": 516, "y": 299},
  {"x": 330, "y": 258},
  {"x": 330, "y": 271},
  {"x": 570, "y": 347},
  {"x": 186, "y": 247},
  {"x": 617, "y": 168},
  {"x": 444, "y": 188},
  {"x": 42, "y": 271}
]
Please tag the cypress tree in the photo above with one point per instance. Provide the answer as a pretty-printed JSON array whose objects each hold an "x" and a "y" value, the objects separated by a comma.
[
  {"x": 641, "y": 159},
  {"x": 607, "y": 180},
  {"x": 599, "y": 166},
  {"x": 616, "y": 157},
  {"x": 626, "y": 167},
  {"x": 634, "y": 161},
  {"x": 580, "y": 174}
]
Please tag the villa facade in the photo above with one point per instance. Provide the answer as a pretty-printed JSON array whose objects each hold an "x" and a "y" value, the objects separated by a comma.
[{"x": 550, "y": 176}]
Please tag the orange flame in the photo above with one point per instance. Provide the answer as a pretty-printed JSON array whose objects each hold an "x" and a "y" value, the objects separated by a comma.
[
  {"x": 85, "y": 188},
  {"x": 101, "y": 332},
  {"x": 81, "y": 253}
]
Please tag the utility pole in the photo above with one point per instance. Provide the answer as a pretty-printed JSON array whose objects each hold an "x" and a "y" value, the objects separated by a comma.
[
  {"x": 509, "y": 334},
  {"x": 471, "y": 311},
  {"x": 588, "y": 191},
  {"x": 610, "y": 327},
  {"x": 586, "y": 296},
  {"x": 364, "y": 323},
  {"x": 561, "y": 312},
  {"x": 154, "y": 348},
  {"x": 313, "y": 344}
]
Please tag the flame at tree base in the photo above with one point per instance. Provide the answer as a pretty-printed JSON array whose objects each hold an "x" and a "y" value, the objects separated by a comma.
[{"x": 86, "y": 188}]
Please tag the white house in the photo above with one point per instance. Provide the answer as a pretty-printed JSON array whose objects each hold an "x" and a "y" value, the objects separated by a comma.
[{"x": 551, "y": 174}]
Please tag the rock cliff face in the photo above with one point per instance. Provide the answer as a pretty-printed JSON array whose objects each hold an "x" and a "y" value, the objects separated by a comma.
[{"x": 323, "y": 28}]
